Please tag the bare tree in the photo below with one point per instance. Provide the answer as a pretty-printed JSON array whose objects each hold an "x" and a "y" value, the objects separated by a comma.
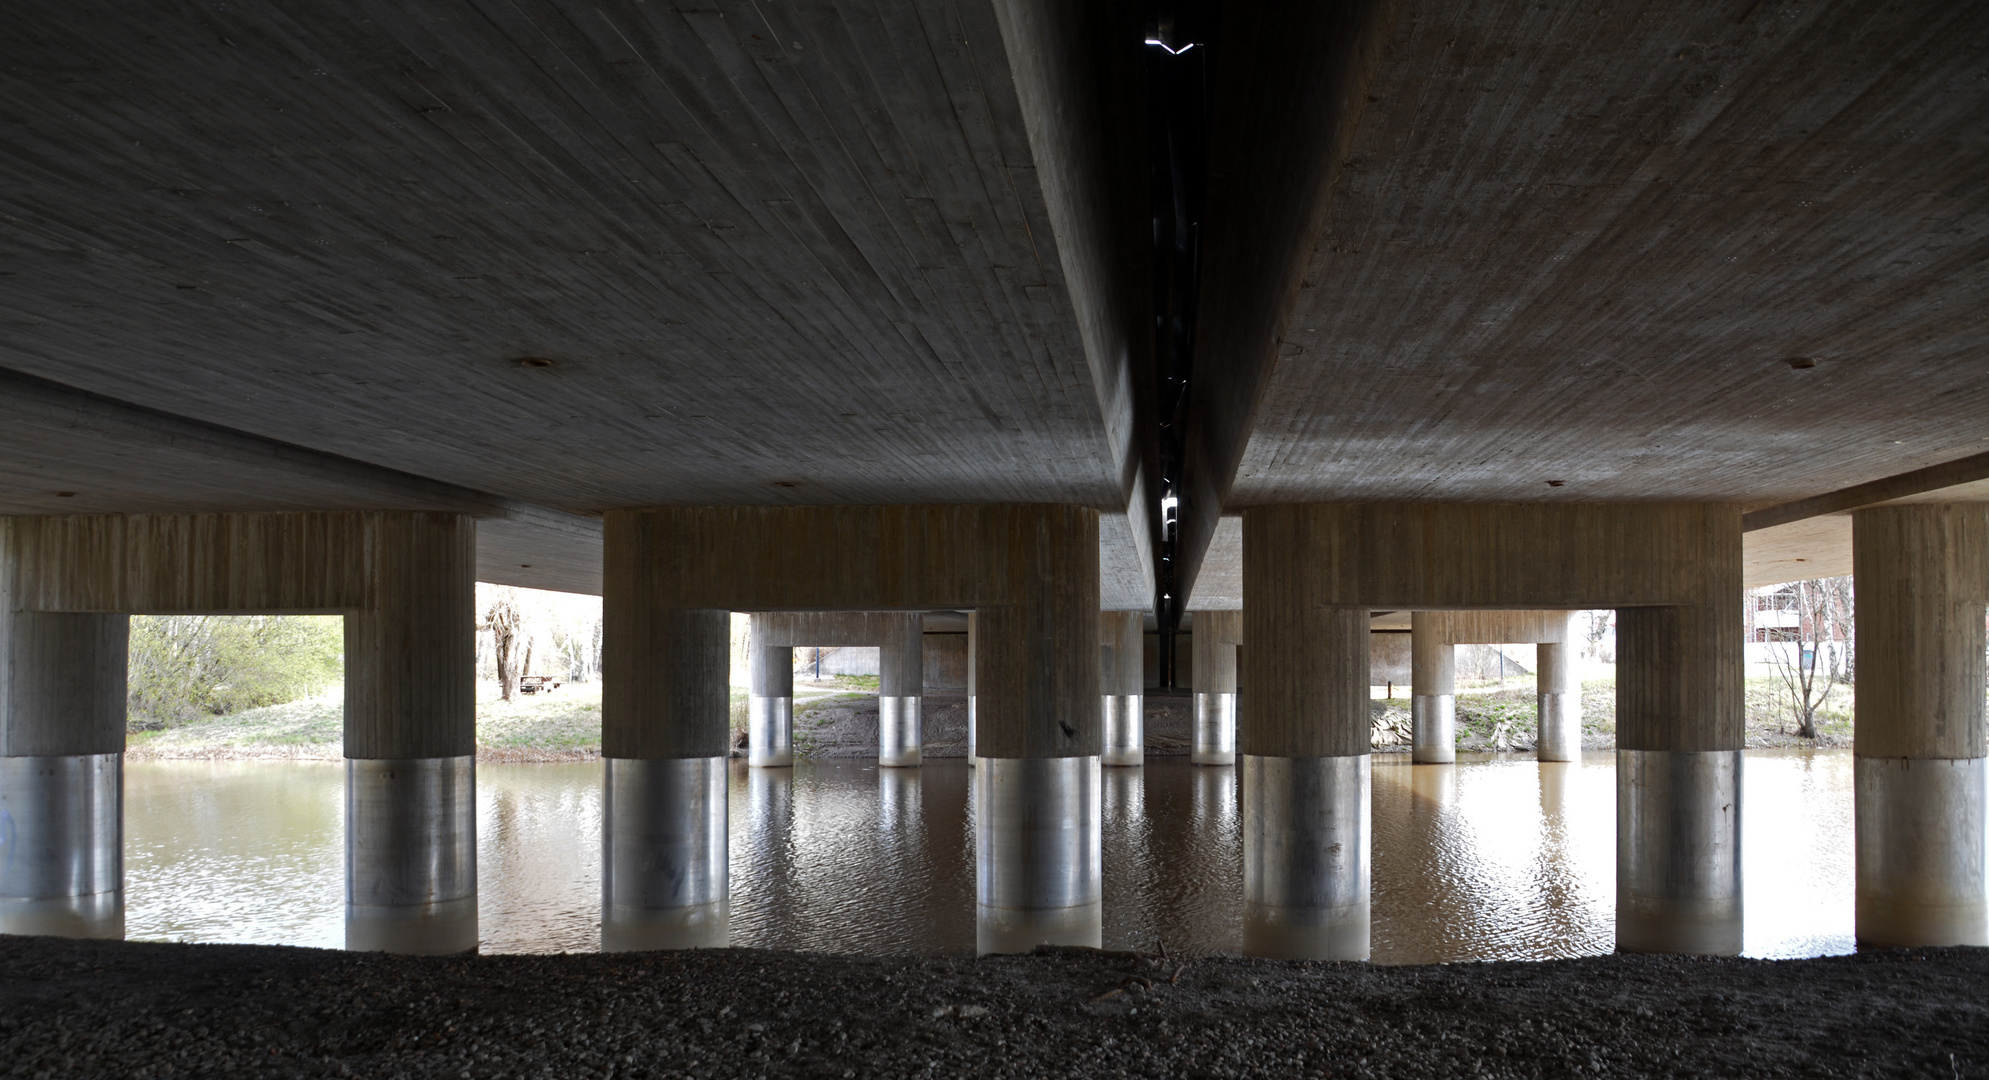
[
  {"x": 1598, "y": 628},
  {"x": 504, "y": 620},
  {"x": 1810, "y": 661}
]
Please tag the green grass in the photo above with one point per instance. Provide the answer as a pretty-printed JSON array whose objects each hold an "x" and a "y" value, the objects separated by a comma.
[
  {"x": 568, "y": 720},
  {"x": 314, "y": 723},
  {"x": 1768, "y": 717},
  {"x": 565, "y": 721}
]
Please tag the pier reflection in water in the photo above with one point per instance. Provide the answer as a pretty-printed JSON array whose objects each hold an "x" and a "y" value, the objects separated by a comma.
[{"x": 1486, "y": 859}]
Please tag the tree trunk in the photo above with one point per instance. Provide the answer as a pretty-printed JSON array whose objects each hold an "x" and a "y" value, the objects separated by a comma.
[{"x": 506, "y": 634}]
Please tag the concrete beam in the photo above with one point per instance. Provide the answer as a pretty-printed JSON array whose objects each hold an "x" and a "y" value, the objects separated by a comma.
[{"x": 109, "y": 457}]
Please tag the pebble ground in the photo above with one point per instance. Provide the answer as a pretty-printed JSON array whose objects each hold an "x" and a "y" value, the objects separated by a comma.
[{"x": 118, "y": 1009}]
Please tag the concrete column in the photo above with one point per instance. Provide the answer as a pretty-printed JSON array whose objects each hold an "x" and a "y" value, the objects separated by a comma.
[
  {"x": 1122, "y": 682},
  {"x": 1303, "y": 731},
  {"x": 1215, "y": 636},
  {"x": 1037, "y": 784},
  {"x": 1678, "y": 764},
  {"x": 1922, "y": 575},
  {"x": 1560, "y": 697},
  {"x": 410, "y": 740},
  {"x": 62, "y": 700},
  {"x": 770, "y": 700},
  {"x": 901, "y": 692},
  {"x": 663, "y": 732},
  {"x": 972, "y": 757},
  {"x": 1432, "y": 689}
]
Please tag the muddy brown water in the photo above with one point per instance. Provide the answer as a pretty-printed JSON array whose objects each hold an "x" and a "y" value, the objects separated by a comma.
[{"x": 1493, "y": 858}]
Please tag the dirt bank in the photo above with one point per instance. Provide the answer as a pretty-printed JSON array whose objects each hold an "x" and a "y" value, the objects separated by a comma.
[{"x": 76, "y": 1009}]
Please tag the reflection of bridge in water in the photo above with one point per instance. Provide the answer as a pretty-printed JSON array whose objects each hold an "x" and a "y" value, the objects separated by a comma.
[{"x": 1491, "y": 859}]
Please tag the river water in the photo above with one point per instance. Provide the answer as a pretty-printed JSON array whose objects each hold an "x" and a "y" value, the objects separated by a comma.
[{"x": 1487, "y": 859}]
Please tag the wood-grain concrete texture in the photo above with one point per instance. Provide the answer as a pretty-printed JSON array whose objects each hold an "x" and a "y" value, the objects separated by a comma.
[
  {"x": 64, "y": 451},
  {"x": 1122, "y": 653},
  {"x": 1028, "y": 572},
  {"x": 404, "y": 582},
  {"x": 1213, "y": 647},
  {"x": 1493, "y": 627},
  {"x": 898, "y": 635},
  {"x": 1583, "y": 246},
  {"x": 1313, "y": 573},
  {"x": 578, "y": 255},
  {"x": 1922, "y": 589}
]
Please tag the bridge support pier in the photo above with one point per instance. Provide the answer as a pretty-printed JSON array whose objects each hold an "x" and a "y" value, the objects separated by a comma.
[
  {"x": 1123, "y": 677},
  {"x": 1922, "y": 575},
  {"x": 1560, "y": 698},
  {"x": 1216, "y": 634},
  {"x": 1432, "y": 690},
  {"x": 62, "y": 701}
]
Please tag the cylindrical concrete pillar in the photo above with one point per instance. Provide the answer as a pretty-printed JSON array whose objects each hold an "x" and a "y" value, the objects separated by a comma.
[
  {"x": 1038, "y": 846},
  {"x": 1678, "y": 851},
  {"x": 972, "y": 622},
  {"x": 62, "y": 700},
  {"x": 1304, "y": 737},
  {"x": 1432, "y": 689},
  {"x": 410, "y": 740},
  {"x": 664, "y": 865},
  {"x": 770, "y": 700},
  {"x": 410, "y": 854},
  {"x": 901, "y": 692},
  {"x": 1678, "y": 760},
  {"x": 1306, "y": 844},
  {"x": 1037, "y": 690},
  {"x": 1122, "y": 676},
  {"x": 1215, "y": 634},
  {"x": 1922, "y": 575},
  {"x": 664, "y": 730},
  {"x": 1560, "y": 699}
]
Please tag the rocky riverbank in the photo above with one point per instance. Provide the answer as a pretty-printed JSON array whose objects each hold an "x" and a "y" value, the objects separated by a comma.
[{"x": 89, "y": 1009}]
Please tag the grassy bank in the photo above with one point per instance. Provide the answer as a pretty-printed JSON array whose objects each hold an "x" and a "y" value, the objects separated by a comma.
[
  {"x": 1506, "y": 718},
  {"x": 561, "y": 726},
  {"x": 566, "y": 725}
]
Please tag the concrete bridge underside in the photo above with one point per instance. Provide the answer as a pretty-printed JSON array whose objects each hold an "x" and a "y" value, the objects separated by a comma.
[{"x": 854, "y": 307}]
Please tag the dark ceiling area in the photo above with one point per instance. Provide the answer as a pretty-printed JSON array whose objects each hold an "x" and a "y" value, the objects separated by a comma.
[{"x": 539, "y": 260}]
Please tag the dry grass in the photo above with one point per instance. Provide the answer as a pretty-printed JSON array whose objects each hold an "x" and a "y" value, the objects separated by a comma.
[{"x": 564, "y": 725}]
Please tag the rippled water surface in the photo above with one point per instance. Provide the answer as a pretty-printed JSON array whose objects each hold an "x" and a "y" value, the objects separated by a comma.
[{"x": 1486, "y": 859}]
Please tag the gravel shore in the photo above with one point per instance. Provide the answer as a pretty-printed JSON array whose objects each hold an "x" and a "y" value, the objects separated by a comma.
[{"x": 85, "y": 1008}]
